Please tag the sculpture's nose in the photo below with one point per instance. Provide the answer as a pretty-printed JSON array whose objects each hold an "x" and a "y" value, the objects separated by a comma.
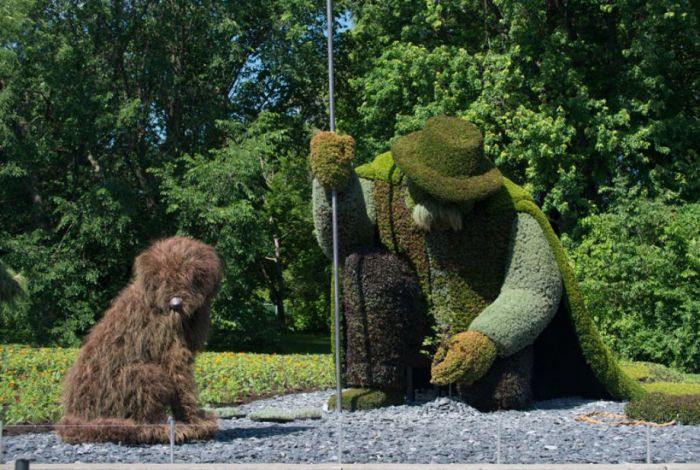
[{"x": 176, "y": 304}]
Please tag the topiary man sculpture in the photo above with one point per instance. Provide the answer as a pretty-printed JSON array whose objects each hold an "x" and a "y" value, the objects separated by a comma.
[
  {"x": 135, "y": 366},
  {"x": 438, "y": 244}
]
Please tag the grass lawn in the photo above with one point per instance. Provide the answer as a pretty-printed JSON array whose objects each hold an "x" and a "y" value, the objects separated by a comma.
[{"x": 30, "y": 378}]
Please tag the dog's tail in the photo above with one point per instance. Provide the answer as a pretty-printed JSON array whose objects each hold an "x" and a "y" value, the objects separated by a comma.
[{"x": 75, "y": 430}]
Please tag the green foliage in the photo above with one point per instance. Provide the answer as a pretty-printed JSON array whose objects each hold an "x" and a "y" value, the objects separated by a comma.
[
  {"x": 569, "y": 95},
  {"x": 661, "y": 408},
  {"x": 14, "y": 305},
  {"x": 648, "y": 372},
  {"x": 355, "y": 399},
  {"x": 31, "y": 378},
  {"x": 99, "y": 99},
  {"x": 271, "y": 415},
  {"x": 248, "y": 199},
  {"x": 382, "y": 168},
  {"x": 226, "y": 412},
  {"x": 639, "y": 267},
  {"x": 673, "y": 388}
]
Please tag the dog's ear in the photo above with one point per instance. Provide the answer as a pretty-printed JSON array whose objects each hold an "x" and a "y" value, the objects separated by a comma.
[{"x": 146, "y": 270}]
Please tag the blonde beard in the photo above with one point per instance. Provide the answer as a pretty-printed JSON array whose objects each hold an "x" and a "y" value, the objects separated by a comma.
[{"x": 430, "y": 215}]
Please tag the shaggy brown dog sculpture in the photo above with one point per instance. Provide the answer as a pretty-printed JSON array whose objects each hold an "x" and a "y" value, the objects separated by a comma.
[{"x": 135, "y": 366}]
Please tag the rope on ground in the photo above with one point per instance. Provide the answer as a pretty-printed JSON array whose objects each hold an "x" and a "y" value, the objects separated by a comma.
[{"x": 613, "y": 419}]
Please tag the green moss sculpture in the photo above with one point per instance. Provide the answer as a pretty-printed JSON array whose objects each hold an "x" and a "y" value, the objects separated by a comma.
[
  {"x": 355, "y": 399},
  {"x": 508, "y": 320},
  {"x": 331, "y": 157}
]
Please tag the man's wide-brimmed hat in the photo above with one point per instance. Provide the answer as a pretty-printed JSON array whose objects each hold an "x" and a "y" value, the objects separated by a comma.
[{"x": 446, "y": 159}]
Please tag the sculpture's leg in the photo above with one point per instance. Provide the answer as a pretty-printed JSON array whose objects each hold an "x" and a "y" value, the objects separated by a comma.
[
  {"x": 507, "y": 385},
  {"x": 384, "y": 324}
]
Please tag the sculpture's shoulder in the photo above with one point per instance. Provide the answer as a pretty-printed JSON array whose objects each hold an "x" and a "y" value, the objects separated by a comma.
[
  {"x": 516, "y": 193},
  {"x": 382, "y": 168}
]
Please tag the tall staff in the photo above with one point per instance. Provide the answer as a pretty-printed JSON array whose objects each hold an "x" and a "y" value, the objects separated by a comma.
[{"x": 334, "y": 201}]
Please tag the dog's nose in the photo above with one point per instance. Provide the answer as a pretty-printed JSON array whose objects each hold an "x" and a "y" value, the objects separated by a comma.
[{"x": 176, "y": 304}]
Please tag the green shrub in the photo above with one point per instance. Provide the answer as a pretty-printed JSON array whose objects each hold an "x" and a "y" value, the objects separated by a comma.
[
  {"x": 673, "y": 388},
  {"x": 662, "y": 408},
  {"x": 639, "y": 271},
  {"x": 14, "y": 306},
  {"x": 647, "y": 372}
]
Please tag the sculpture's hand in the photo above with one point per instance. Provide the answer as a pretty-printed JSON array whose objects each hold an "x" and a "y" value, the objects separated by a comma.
[
  {"x": 465, "y": 358},
  {"x": 331, "y": 157}
]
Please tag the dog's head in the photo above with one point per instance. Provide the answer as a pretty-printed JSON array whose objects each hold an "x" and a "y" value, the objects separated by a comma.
[{"x": 178, "y": 274}]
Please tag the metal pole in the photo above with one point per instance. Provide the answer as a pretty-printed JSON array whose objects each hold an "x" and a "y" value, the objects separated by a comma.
[
  {"x": 171, "y": 423},
  {"x": 648, "y": 444},
  {"x": 331, "y": 80},
  {"x": 336, "y": 263},
  {"x": 22, "y": 464},
  {"x": 498, "y": 441},
  {"x": 2, "y": 450}
]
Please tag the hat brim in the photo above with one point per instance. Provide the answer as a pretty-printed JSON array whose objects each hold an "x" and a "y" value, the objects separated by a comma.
[{"x": 446, "y": 188}]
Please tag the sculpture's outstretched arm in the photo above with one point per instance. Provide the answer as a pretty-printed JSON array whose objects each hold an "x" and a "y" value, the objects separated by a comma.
[
  {"x": 530, "y": 294},
  {"x": 527, "y": 303}
]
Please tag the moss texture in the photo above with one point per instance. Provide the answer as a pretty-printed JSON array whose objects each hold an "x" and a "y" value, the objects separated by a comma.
[
  {"x": 530, "y": 294},
  {"x": 356, "y": 216},
  {"x": 382, "y": 168},
  {"x": 662, "y": 408},
  {"x": 397, "y": 231},
  {"x": 384, "y": 319},
  {"x": 506, "y": 386},
  {"x": 597, "y": 355},
  {"x": 331, "y": 158},
  {"x": 465, "y": 359},
  {"x": 446, "y": 159},
  {"x": 460, "y": 274},
  {"x": 355, "y": 399},
  {"x": 467, "y": 268}
]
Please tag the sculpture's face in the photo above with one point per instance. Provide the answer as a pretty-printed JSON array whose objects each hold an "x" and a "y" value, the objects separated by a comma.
[{"x": 431, "y": 214}]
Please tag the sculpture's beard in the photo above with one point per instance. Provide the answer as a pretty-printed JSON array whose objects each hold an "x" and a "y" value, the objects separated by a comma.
[{"x": 429, "y": 215}]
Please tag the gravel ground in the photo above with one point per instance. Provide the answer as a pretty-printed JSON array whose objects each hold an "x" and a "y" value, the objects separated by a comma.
[{"x": 434, "y": 430}]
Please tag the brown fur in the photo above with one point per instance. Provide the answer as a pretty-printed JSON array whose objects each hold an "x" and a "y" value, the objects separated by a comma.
[{"x": 135, "y": 366}]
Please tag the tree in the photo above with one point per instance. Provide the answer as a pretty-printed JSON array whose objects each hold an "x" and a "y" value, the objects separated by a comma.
[
  {"x": 97, "y": 97},
  {"x": 571, "y": 95},
  {"x": 639, "y": 267}
]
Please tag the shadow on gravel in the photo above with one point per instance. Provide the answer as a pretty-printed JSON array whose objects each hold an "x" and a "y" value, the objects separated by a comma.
[
  {"x": 227, "y": 435},
  {"x": 559, "y": 403}
]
